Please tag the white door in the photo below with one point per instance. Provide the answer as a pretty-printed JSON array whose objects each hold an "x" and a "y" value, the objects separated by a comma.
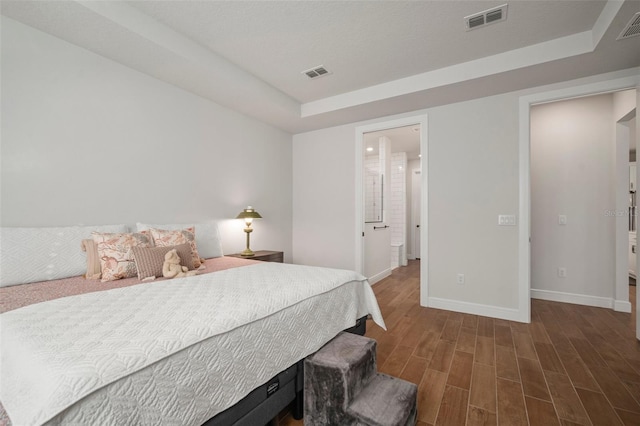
[
  {"x": 377, "y": 251},
  {"x": 416, "y": 193}
]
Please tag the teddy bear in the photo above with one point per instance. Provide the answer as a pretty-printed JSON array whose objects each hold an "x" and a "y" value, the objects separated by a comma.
[{"x": 171, "y": 267}]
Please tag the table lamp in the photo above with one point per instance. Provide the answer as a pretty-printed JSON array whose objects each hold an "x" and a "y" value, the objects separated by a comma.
[{"x": 248, "y": 215}]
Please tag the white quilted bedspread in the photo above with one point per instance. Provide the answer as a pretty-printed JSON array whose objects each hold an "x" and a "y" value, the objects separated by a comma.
[{"x": 104, "y": 358}]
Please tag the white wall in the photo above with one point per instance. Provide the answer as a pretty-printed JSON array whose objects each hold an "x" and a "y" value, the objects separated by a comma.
[
  {"x": 323, "y": 197},
  {"x": 86, "y": 140},
  {"x": 472, "y": 173},
  {"x": 473, "y": 177},
  {"x": 572, "y": 174},
  {"x": 623, "y": 102}
]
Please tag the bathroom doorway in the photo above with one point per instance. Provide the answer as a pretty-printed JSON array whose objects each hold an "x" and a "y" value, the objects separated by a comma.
[
  {"x": 388, "y": 203},
  {"x": 386, "y": 156}
]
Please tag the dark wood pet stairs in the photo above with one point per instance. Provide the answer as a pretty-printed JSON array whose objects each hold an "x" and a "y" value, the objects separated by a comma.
[{"x": 342, "y": 387}]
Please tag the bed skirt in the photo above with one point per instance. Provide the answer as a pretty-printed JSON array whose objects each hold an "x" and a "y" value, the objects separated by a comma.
[{"x": 266, "y": 401}]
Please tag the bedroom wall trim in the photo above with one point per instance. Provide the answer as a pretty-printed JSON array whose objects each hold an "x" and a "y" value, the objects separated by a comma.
[
  {"x": 577, "y": 299},
  {"x": 380, "y": 276},
  {"x": 620, "y": 80},
  {"x": 508, "y": 314},
  {"x": 622, "y": 306}
]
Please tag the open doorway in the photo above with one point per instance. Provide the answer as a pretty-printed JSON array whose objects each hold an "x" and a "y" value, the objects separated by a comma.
[
  {"x": 581, "y": 197},
  {"x": 388, "y": 221},
  {"x": 390, "y": 204}
]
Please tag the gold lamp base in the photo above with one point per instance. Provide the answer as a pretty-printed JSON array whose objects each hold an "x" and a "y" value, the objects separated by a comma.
[{"x": 247, "y": 253}]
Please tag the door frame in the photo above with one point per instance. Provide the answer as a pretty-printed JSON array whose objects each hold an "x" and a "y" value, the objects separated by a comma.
[
  {"x": 524, "y": 226},
  {"x": 420, "y": 120}
]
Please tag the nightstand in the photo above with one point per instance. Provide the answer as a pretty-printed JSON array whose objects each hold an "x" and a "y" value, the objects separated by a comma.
[{"x": 263, "y": 255}]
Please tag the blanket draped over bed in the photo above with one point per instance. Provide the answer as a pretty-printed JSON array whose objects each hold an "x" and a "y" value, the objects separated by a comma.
[{"x": 56, "y": 353}]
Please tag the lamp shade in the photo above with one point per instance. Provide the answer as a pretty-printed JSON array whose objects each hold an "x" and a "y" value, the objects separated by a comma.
[{"x": 249, "y": 213}]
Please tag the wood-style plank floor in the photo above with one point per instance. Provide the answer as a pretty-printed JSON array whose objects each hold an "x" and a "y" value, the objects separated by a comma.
[{"x": 572, "y": 365}]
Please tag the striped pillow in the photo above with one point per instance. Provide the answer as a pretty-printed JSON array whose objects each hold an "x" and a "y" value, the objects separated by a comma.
[{"x": 149, "y": 260}]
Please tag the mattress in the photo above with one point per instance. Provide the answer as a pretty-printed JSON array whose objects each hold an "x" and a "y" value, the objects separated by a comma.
[{"x": 174, "y": 351}]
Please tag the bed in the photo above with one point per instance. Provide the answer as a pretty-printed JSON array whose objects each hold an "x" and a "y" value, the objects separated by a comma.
[{"x": 189, "y": 351}]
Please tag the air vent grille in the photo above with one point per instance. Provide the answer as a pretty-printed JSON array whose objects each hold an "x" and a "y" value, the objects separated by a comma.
[
  {"x": 476, "y": 21},
  {"x": 490, "y": 16},
  {"x": 494, "y": 15},
  {"x": 316, "y": 72},
  {"x": 632, "y": 29}
]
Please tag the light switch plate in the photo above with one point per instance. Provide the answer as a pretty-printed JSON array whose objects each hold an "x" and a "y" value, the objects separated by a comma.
[
  {"x": 562, "y": 219},
  {"x": 507, "y": 220}
]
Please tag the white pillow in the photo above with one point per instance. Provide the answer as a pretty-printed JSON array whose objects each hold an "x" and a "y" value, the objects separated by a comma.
[
  {"x": 30, "y": 255},
  {"x": 208, "y": 238}
]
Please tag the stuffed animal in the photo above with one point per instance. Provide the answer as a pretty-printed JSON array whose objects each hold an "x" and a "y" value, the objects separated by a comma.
[{"x": 171, "y": 267}]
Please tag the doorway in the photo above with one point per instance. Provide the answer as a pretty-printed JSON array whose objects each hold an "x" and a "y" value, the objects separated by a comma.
[
  {"x": 418, "y": 126},
  {"x": 579, "y": 201},
  {"x": 618, "y": 82}
]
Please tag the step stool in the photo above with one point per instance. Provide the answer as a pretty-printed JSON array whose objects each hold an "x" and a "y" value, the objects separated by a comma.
[{"x": 342, "y": 387}]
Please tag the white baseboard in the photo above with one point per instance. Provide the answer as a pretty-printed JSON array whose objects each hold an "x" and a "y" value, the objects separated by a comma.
[
  {"x": 476, "y": 309},
  {"x": 576, "y": 299},
  {"x": 379, "y": 276},
  {"x": 622, "y": 306}
]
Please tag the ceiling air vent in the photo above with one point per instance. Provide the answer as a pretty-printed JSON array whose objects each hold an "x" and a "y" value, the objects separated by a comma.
[
  {"x": 632, "y": 29},
  {"x": 490, "y": 16},
  {"x": 316, "y": 72}
]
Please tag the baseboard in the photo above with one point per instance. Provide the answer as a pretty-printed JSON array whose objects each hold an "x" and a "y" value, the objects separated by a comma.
[
  {"x": 475, "y": 309},
  {"x": 379, "y": 276},
  {"x": 576, "y": 299},
  {"x": 622, "y": 306}
]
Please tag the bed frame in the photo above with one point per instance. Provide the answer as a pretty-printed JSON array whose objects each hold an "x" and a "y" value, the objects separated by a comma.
[{"x": 266, "y": 401}]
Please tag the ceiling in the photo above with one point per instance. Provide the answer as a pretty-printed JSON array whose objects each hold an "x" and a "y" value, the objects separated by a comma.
[{"x": 386, "y": 57}]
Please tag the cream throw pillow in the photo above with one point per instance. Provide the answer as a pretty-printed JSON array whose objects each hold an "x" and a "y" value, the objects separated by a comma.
[{"x": 94, "y": 271}]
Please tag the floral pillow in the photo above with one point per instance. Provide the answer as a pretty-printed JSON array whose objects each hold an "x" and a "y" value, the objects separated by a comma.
[
  {"x": 166, "y": 238},
  {"x": 116, "y": 254}
]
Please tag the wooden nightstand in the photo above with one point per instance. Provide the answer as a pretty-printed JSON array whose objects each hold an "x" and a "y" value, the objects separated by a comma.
[{"x": 263, "y": 255}]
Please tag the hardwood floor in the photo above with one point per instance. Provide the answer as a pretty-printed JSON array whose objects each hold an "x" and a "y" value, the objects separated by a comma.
[{"x": 572, "y": 365}]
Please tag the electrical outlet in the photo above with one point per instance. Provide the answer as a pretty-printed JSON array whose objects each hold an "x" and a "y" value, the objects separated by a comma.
[
  {"x": 562, "y": 219},
  {"x": 562, "y": 272},
  {"x": 460, "y": 279}
]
